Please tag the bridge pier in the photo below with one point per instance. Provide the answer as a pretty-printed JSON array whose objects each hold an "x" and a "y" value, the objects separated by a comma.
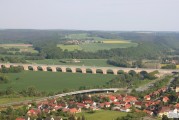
[
  {"x": 25, "y": 67},
  {"x": 115, "y": 71},
  {"x": 73, "y": 70},
  {"x": 83, "y": 70},
  {"x": 34, "y": 68},
  {"x": 44, "y": 68},
  {"x": 63, "y": 69},
  {"x": 54, "y": 69},
  {"x": 104, "y": 71},
  {"x": 93, "y": 70}
]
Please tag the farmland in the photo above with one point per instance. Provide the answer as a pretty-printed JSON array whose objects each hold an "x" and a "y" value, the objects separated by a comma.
[
  {"x": 93, "y": 47},
  {"x": 53, "y": 82},
  {"x": 115, "y": 41},
  {"x": 103, "y": 115},
  {"x": 10, "y": 99},
  {"x": 95, "y": 43},
  {"x": 82, "y": 36},
  {"x": 22, "y": 47}
]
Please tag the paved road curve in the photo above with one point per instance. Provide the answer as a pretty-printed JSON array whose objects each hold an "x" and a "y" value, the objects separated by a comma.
[{"x": 62, "y": 95}]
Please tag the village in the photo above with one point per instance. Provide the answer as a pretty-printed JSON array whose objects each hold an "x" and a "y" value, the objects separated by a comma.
[{"x": 160, "y": 103}]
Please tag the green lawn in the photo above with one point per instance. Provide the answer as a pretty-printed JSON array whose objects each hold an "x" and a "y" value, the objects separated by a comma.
[
  {"x": 85, "y": 62},
  {"x": 102, "y": 115},
  {"x": 139, "y": 83},
  {"x": 92, "y": 47},
  {"x": 49, "y": 81},
  {"x": 4, "y": 100},
  {"x": 82, "y": 36}
]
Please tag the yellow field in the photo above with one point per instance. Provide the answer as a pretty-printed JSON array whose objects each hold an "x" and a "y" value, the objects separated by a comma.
[
  {"x": 15, "y": 45},
  {"x": 115, "y": 41},
  {"x": 21, "y": 46},
  {"x": 177, "y": 66}
]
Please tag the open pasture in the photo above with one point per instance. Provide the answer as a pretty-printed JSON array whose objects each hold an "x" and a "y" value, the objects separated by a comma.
[
  {"x": 93, "y": 47},
  {"x": 103, "y": 115},
  {"x": 82, "y": 36},
  {"x": 115, "y": 41},
  {"x": 54, "y": 82}
]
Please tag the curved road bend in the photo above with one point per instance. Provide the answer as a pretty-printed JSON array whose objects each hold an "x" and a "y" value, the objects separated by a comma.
[{"x": 62, "y": 95}]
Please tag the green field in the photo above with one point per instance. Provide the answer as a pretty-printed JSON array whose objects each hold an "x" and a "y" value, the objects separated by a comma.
[
  {"x": 115, "y": 41},
  {"x": 93, "y": 47},
  {"x": 85, "y": 62},
  {"x": 49, "y": 81},
  {"x": 82, "y": 36},
  {"x": 4, "y": 100},
  {"x": 103, "y": 115}
]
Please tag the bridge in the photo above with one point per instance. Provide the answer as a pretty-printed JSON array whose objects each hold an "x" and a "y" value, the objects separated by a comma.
[{"x": 81, "y": 69}]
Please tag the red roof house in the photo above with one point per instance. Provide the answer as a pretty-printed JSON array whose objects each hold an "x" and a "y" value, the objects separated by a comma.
[{"x": 165, "y": 99}]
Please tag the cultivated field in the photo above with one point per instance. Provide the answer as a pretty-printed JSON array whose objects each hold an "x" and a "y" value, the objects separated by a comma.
[
  {"x": 49, "y": 81},
  {"x": 116, "y": 41},
  {"x": 21, "y": 46},
  {"x": 93, "y": 47},
  {"x": 58, "y": 81},
  {"x": 105, "y": 44},
  {"x": 83, "y": 36},
  {"x": 177, "y": 66},
  {"x": 103, "y": 115},
  {"x": 4, "y": 100}
]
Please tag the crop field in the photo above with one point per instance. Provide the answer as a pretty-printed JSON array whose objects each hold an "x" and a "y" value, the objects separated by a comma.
[
  {"x": 83, "y": 62},
  {"x": 82, "y": 36},
  {"x": 103, "y": 115},
  {"x": 116, "y": 41},
  {"x": 49, "y": 81},
  {"x": 93, "y": 47},
  {"x": 22, "y": 47},
  {"x": 4, "y": 100},
  {"x": 177, "y": 66},
  {"x": 69, "y": 47}
]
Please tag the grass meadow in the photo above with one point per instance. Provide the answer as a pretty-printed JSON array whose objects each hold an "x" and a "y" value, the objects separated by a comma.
[
  {"x": 93, "y": 47},
  {"x": 102, "y": 115},
  {"x": 10, "y": 99},
  {"x": 54, "y": 81},
  {"x": 116, "y": 41}
]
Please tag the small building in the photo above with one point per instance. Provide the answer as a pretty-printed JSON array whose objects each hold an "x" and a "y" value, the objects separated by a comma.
[
  {"x": 147, "y": 97},
  {"x": 177, "y": 89},
  {"x": 165, "y": 99},
  {"x": 164, "y": 111},
  {"x": 138, "y": 105}
]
